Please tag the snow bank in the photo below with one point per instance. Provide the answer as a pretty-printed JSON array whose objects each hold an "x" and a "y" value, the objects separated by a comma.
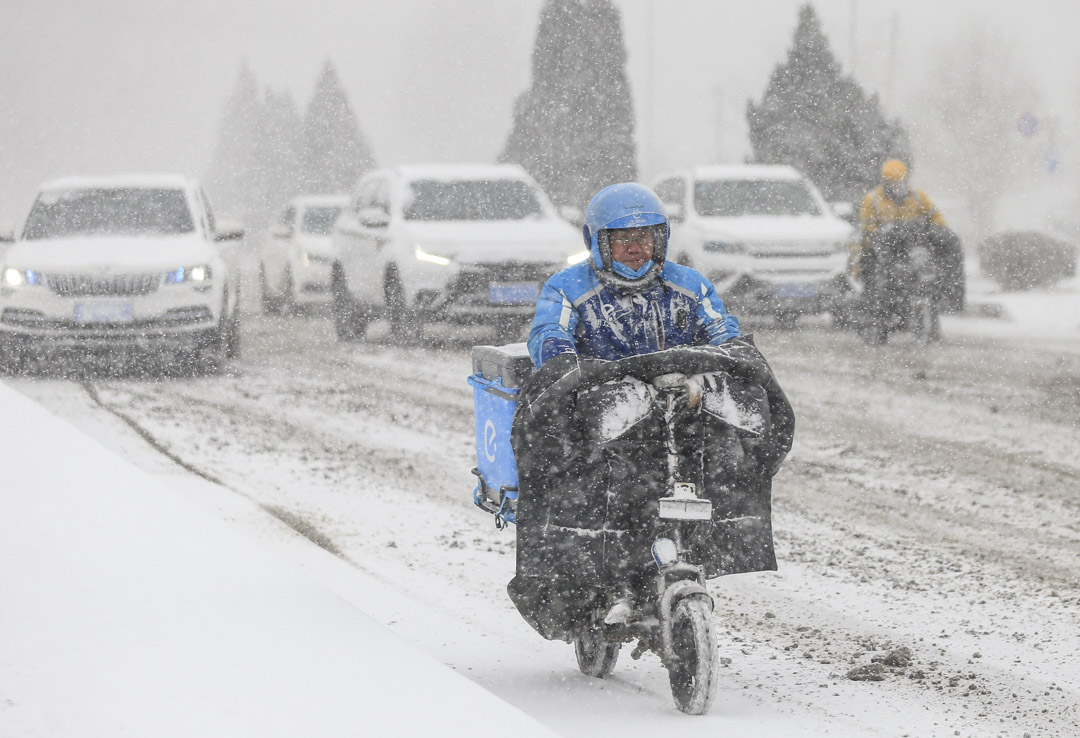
[
  {"x": 127, "y": 610},
  {"x": 1049, "y": 313}
]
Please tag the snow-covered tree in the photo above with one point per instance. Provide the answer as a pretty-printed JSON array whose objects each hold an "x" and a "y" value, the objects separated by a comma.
[
  {"x": 819, "y": 120},
  {"x": 235, "y": 164},
  {"x": 280, "y": 149},
  {"x": 256, "y": 164},
  {"x": 266, "y": 153},
  {"x": 335, "y": 152},
  {"x": 573, "y": 129}
]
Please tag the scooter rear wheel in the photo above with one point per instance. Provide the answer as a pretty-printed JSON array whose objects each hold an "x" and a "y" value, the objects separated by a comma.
[
  {"x": 927, "y": 322},
  {"x": 694, "y": 674},
  {"x": 595, "y": 656}
]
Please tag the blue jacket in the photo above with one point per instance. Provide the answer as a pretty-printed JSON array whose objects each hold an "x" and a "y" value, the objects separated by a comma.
[{"x": 577, "y": 313}]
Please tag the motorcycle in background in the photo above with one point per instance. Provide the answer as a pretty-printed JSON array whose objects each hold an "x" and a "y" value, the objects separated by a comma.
[{"x": 901, "y": 278}]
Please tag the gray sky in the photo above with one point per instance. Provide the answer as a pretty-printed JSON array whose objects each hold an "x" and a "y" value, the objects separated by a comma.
[{"x": 123, "y": 85}]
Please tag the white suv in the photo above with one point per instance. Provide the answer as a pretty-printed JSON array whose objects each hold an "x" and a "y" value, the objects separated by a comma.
[
  {"x": 120, "y": 262},
  {"x": 294, "y": 261},
  {"x": 465, "y": 242},
  {"x": 762, "y": 234}
]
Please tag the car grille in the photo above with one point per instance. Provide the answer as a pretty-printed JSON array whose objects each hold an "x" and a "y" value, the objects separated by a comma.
[
  {"x": 173, "y": 318},
  {"x": 790, "y": 250},
  {"x": 86, "y": 285}
]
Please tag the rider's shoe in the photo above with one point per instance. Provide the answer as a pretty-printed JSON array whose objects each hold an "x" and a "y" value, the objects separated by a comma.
[{"x": 621, "y": 612}]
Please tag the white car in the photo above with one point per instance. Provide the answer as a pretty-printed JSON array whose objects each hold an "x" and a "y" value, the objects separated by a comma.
[
  {"x": 762, "y": 234},
  {"x": 295, "y": 260},
  {"x": 120, "y": 262},
  {"x": 464, "y": 242}
]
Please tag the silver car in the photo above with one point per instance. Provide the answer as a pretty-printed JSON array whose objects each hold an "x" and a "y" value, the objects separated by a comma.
[
  {"x": 121, "y": 262},
  {"x": 447, "y": 243},
  {"x": 295, "y": 259},
  {"x": 763, "y": 234}
]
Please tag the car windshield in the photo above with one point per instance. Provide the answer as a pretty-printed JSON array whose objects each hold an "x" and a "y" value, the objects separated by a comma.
[
  {"x": 320, "y": 221},
  {"x": 109, "y": 211},
  {"x": 735, "y": 197},
  {"x": 500, "y": 199}
]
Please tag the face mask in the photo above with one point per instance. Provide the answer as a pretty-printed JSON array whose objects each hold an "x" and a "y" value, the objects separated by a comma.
[{"x": 627, "y": 273}]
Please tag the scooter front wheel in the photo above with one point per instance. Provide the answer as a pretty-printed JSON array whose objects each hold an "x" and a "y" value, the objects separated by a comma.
[
  {"x": 595, "y": 656},
  {"x": 694, "y": 673}
]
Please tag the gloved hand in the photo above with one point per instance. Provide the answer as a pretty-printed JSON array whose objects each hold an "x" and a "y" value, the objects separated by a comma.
[{"x": 561, "y": 365}]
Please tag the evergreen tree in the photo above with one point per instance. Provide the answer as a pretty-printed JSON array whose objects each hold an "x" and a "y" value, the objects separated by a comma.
[
  {"x": 280, "y": 149},
  {"x": 236, "y": 160},
  {"x": 573, "y": 129},
  {"x": 822, "y": 122},
  {"x": 335, "y": 153}
]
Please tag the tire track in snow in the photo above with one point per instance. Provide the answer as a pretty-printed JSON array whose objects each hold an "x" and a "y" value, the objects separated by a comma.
[{"x": 297, "y": 523}]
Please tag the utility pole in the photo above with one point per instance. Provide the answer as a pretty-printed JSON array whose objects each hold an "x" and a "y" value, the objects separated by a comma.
[
  {"x": 853, "y": 39},
  {"x": 647, "y": 155},
  {"x": 894, "y": 36},
  {"x": 718, "y": 122}
]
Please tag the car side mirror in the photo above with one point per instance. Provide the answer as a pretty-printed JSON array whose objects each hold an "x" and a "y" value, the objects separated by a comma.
[
  {"x": 7, "y": 233},
  {"x": 228, "y": 231},
  {"x": 373, "y": 218},
  {"x": 843, "y": 210},
  {"x": 572, "y": 214},
  {"x": 675, "y": 212}
]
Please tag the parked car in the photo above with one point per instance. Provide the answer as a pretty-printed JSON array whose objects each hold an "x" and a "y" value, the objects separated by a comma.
[
  {"x": 466, "y": 243},
  {"x": 763, "y": 235},
  {"x": 120, "y": 262},
  {"x": 295, "y": 259}
]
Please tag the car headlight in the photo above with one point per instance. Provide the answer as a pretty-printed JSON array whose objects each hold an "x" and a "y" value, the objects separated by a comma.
[
  {"x": 431, "y": 258},
  {"x": 20, "y": 277},
  {"x": 199, "y": 273},
  {"x": 577, "y": 258}
]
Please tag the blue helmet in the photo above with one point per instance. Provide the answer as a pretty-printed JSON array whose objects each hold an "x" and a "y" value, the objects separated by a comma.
[{"x": 626, "y": 205}]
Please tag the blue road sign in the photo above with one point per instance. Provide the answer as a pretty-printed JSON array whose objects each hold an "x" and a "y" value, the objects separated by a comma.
[{"x": 1027, "y": 125}]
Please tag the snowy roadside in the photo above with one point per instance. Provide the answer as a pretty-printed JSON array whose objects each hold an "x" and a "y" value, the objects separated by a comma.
[
  {"x": 1049, "y": 313},
  {"x": 127, "y": 610}
]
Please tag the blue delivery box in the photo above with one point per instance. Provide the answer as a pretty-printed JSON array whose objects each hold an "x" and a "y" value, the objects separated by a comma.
[{"x": 499, "y": 373}]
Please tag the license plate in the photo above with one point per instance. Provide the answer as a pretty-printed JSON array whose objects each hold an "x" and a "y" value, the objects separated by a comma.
[
  {"x": 103, "y": 312},
  {"x": 795, "y": 290},
  {"x": 513, "y": 293}
]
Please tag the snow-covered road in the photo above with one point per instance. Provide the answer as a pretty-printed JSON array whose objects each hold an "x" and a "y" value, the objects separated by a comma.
[{"x": 929, "y": 504}]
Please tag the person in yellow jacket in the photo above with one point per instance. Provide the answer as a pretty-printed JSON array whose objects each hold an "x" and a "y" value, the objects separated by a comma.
[{"x": 892, "y": 200}]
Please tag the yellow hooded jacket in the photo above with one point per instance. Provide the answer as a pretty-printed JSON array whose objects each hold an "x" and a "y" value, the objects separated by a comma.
[{"x": 877, "y": 210}]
